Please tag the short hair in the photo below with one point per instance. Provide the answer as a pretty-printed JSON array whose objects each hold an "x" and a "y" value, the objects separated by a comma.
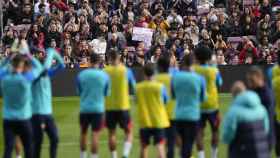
[
  {"x": 187, "y": 60},
  {"x": 18, "y": 59},
  {"x": 113, "y": 55},
  {"x": 95, "y": 58},
  {"x": 163, "y": 63},
  {"x": 203, "y": 54},
  {"x": 41, "y": 5},
  {"x": 255, "y": 70},
  {"x": 149, "y": 70}
]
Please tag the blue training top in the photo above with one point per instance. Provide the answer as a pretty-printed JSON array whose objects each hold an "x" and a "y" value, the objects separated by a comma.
[
  {"x": 188, "y": 88},
  {"x": 93, "y": 85},
  {"x": 41, "y": 88},
  {"x": 16, "y": 91}
]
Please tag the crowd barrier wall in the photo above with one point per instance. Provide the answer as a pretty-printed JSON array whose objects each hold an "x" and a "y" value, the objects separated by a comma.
[{"x": 64, "y": 84}]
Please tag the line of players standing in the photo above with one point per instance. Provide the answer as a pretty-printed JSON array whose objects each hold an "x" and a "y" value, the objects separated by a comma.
[{"x": 171, "y": 104}]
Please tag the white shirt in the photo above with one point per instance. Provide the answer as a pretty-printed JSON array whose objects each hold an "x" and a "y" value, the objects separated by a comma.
[{"x": 36, "y": 7}]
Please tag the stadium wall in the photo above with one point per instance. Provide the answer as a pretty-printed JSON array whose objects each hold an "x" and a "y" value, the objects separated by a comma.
[{"x": 64, "y": 82}]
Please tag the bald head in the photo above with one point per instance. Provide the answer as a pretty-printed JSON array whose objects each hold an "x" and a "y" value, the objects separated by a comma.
[{"x": 237, "y": 88}]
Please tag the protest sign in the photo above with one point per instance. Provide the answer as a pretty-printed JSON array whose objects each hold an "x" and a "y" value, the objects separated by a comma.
[
  {"x": 99, "y": 46},
  {"x": 143, "y": 34}
]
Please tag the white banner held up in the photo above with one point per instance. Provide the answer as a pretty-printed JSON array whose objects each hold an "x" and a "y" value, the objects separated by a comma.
[
  {"x": 99, "y": 46},
  {"x": 143, "y": 34}
]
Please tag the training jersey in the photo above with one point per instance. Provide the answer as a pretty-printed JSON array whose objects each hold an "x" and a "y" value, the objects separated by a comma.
[
  {"x": 276, "y": 89},
  {"x": 122, "y": 79},
  {"x": 213, "y": 81},
  {"x": 246, "y": 107},
  {"x": 16, "y": 91},
  {"x": 93, "y": 86},
  {"x": 189, "y": 89},
  {"x": 151, "y": 97},
  {"x": 42, "y": 88},
  {"x": 165, "y": 79}
]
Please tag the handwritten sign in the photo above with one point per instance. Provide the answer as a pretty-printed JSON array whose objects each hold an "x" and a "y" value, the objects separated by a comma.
[
  {"x": 18, "y": 28},
  {"x": 143, "y": 34},
  {"x": 248, "y": 2},
  {"x": 99, "y": 46},
  {"x": 234, "y": 41}
]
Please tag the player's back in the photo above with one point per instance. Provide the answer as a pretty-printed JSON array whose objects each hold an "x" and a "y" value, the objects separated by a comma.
[
  {"x": 188, "y": 88},
  {"x": 42, "y": 95},
  {"x": 16, "y": 91},
  {"x": 165, "y": 79},
  {"x": 213, "y": 80},
  {"x": 93, "y": 85},
  {"x": 276, "y": 71},
  {"x": 150, "y": 103},
  {"x": 276, "y": 89},
  {"x": 120, "y": 78}
]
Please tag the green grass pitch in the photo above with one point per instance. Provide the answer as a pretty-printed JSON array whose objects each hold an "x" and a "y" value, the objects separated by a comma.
[{"x": 66, "y": 112}]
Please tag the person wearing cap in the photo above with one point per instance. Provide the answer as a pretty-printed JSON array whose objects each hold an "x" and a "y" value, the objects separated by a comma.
[
  {"x": 246, "y": 125},
  {"x": 92, "y": 103}
]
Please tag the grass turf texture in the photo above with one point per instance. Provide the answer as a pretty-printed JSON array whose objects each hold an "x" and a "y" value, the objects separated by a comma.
[{"x": 66, "y": 113}]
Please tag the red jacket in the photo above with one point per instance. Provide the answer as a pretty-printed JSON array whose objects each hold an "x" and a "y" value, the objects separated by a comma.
[{"x": 243, "y": 54}]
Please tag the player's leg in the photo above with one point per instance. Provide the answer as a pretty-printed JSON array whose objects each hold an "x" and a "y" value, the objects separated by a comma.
[
  {"x": 9, "y": 139},
  {"x": 214, "y": 119},
  {"x": 200, "y": 136},
  {"x": 126, "y": 124},
  {"x": 26, "y": 136},
  {"x": 37, "y": 126},
  {"x": 159, "y": 141},
  {"x": 111, "y": 123},
  {"x": 171, "y": 140},
  {"x": 145, "y": 135},
  {"x": 187, "y": 131},
  {"x": 52, "y": 133},
  {"x": 84, "y": 124},
  {"x": 18, "y": 147},
  {"x": 97, "y": 125}
]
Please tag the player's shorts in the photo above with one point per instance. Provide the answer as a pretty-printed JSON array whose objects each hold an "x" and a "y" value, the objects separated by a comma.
[
  {"x": 95, "y": 120},
  {"x": 157, "y": 134},
  {"x": 121, "y": 118},
  {"x": 213, "y": 118}
]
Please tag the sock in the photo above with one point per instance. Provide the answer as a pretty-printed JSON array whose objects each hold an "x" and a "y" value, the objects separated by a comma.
[
  {"x": 114, "y": 154},
  {"x": 214, "y": 152},
  {"x": 94, "y": 155},
  {"x": 83, "y": 154},
  {"x": 126, "y": 149},
  {"x": 18, "y": 156},
  {"x": 201, "y": 154}
]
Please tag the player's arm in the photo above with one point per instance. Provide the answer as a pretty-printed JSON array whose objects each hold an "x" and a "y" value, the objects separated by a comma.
[
  {"x": 229, "y": 127},
  {"x": 53, "y": 55},
  {"x": 107, "y": 90},
  {"x": 203, "y": 96},
  {"x": 219, "y": 79},
  {"x": 270, "y": 76},
  {"x": 78, "y": 85},
  {"x": 172, "y": 89},
  {"x": 36, "y": 70},
  {"x": 164, "y": 95},
  {"x": 266, "y": 122},
  {"x": 131, "y": 81}
]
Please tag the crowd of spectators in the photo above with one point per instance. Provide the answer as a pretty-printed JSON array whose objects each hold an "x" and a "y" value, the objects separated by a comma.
[{"x": 239, "y": 32}]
